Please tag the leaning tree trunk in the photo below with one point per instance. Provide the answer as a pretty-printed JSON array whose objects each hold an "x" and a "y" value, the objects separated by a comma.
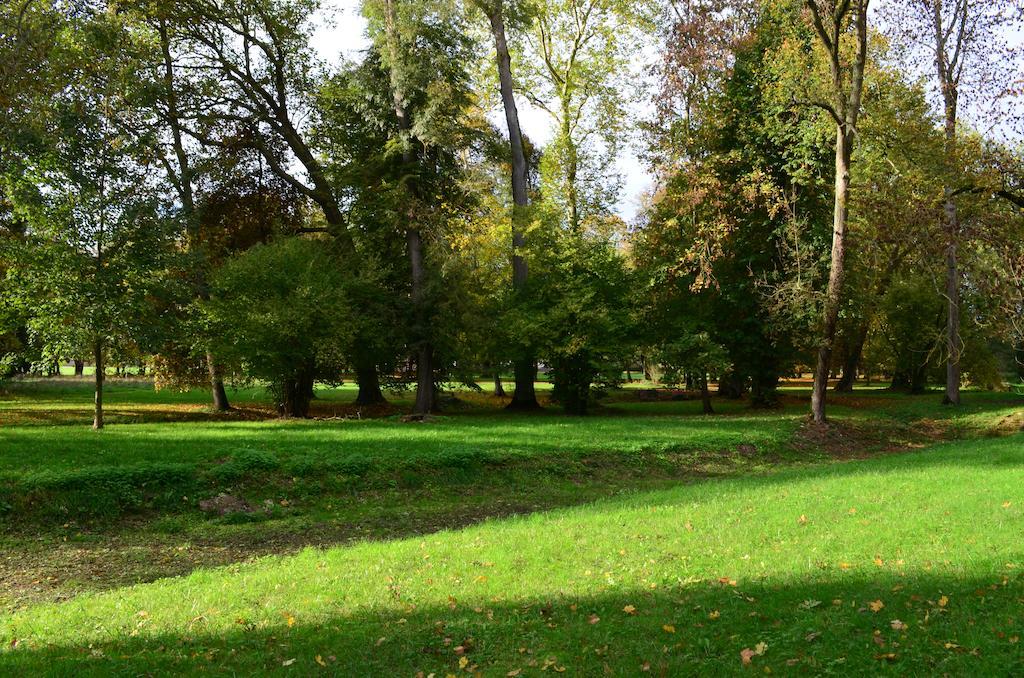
[
  {"x": 525, "y": 366},
  {"x": 837, "y": 274},
  {"x": 97, "y": 419}
]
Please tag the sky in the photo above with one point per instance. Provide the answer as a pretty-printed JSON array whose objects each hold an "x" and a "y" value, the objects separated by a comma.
[{"x": 342, "y": 30}]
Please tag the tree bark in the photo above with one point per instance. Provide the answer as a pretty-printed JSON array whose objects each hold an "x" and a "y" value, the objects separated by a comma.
[
  {"x": 853, "y": 357},
  {"x": 425, "y": 391},
  {"x": 499, "y": 388},
  {"x": 97, "y": 419},
  {"x": 524, "y": 368},
  {"x": 220, "y": 396},
  {"x": 705, "y": 394},
  {"x": 79, "y": 368},
  {"x": 368, "y": 381},
  {"x": 837, "y": 274}
]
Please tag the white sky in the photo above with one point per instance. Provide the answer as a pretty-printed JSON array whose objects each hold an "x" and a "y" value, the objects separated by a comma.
[{"x": 342, "y": 30}]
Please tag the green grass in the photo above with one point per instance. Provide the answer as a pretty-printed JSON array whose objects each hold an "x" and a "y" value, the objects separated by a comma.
[
  {"x": 519, "y": 539},
  {"x": 934, "y": 536}
]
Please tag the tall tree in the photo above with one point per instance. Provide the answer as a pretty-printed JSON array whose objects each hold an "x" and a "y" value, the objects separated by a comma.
[
  {"x": 267, "y": 102},
  {"x": 182, "y": 174},
  {"x": 973, "y": 63},
  {"x": 422, "y": 48},
  {"x": 832, "y": 20},
  {"x": 525, "y": 396},
  {"x": 576, "y": 68}
]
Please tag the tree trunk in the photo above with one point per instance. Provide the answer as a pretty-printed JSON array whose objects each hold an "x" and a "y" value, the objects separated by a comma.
[
  {"x": 705, "y": 394},
  {"x": 369, "y": 384},
  {"x": 837, "y": 274},
  {"x": 425, "y": 391},
  {"x": 525, "y": 368},
  {"x": 295, "y": 394},
  {"x": 499, "y": 388},
  {"x": 953, "y": 348},
  {"x": 426, "y": 400},
  {"x": 853, "y": 357},
  {"x": 97, "y": 419},
  {"x": 220, "y": 396},
  {"x": 79, "y": 368}
]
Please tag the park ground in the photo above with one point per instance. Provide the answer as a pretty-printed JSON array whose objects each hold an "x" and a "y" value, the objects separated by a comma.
[{"x": 648, "y": 539}]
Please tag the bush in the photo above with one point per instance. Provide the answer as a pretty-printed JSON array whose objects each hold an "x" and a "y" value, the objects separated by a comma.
[{"x": 281, "y": 313}]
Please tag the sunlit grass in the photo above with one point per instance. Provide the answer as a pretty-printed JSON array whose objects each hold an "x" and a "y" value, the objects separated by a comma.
[{"x": 680, "y": 581}]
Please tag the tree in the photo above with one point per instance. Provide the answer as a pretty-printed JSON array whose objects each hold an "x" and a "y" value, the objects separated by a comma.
[
  {"x": 525, "y": 397},
  {"x": 95, "y": 238},
  {"x": 423, "y": 50},
  {"x": 965, "y": 41},
  {"x": 832, "y": 20},
  {"x": 268, "y": 83},
  {"x": 282, "y": 313},
  {"x": 576, "y": 69}
]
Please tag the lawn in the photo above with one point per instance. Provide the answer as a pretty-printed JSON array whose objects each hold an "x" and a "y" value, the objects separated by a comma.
[{"x": 645, "y": 538}]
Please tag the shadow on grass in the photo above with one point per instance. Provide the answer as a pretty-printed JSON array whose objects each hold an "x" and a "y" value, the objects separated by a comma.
[{"x": 929, "y": 625}]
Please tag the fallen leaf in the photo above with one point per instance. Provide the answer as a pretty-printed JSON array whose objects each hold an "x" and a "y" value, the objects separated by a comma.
[
  {"x": 629, "y": 609},
  {"x": 668, "y": 628},
  {"x": 747, "y": 655},
  {"x": 802, "y": 520},
  {"x": 593, "y": 619},
  {"x": 876, "y": 606},
  {"x": 320, "y": 661},
  {"x": 463, "y": 662},
  {"x": 1007, "y": 504},
  {"x": 513, "y": 673},
  {"x": 715, "y": 614},
  {"x": 288, "y": 662},
  {"x": 897, "y": 625},
  {"x": 943, "y": 601},
  {"x": 888, "y": 656}
]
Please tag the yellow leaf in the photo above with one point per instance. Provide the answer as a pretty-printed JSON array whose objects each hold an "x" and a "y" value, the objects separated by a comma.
[
  {"x": 715, "y": 614},
  {"x": 802, "y": 520},
  {"x": 943, "y": 601},
  {"x": 320, "y": 661},
  {"x": 513, "y": 673},
  {"x": 876, "y": 606},
  {"x": 463, "y": 662},
  {"x": 629, "y": 609},
  {"x": 669, "y": 628}
]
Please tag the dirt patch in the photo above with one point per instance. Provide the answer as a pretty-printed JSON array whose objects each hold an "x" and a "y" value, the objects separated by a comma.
[{"x": 225, "y": 505}]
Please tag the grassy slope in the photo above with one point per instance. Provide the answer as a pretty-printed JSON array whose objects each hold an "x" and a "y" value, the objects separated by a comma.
[
  {"x": 513, "y": 593},
  {"x": 934, "y": 535}
]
